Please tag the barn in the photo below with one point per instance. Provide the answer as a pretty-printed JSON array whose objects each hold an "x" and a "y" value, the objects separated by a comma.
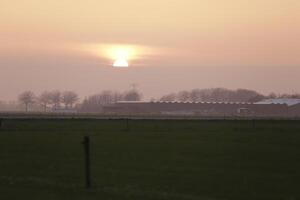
[
  {"x": 197, "y": 108},
  {"x": 293, "y": 105}
]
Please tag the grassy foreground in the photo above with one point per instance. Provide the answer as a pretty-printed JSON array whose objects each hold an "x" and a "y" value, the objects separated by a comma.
[{"x": 150, "y": 159}]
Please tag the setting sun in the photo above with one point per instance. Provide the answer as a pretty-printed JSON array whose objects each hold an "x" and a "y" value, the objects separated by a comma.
[
  {"x": 121, "y": 55},
  {"x": 121, "y": 62}
]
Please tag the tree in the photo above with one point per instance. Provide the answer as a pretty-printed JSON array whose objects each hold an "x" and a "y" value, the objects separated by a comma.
[
  {"x": 295, "y": 96},
  {"x": 215, "y": 95},
  {"x": 55, "y": 98},
  {"x": 289, "y": 96},
  {"x": 95, "y": 103},
  {"x": 27, "y": 98},
  {"x": 257, "y": 98},
  {"x": 183, "y": 96},
  {"x": 168, "y": 97},
  {"x": 272, "y": 95},
  {"x": 45, "y": 99},
  {"x": 106, "y": 97},
  {"x": 117, "y": 97},
  {"x": 245, "y": 95},
  {"x": 132, "y": 95},
  {"x": 195, "y": 95},
  {"x": 69, "y": 98}
]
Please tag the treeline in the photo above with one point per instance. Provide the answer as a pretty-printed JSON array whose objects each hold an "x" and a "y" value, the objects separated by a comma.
[
  {"x": 46, "y": 100},
  {"x": 222, "y": 95},
  {"x": 95, "y": 103},
  {"x": 69, "y": 100}
]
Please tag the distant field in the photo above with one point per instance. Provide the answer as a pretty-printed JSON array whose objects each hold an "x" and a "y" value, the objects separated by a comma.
[{"x": 150, "y": 159}]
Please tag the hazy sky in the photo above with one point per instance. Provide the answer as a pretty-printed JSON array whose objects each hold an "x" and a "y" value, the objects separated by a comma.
[{"x": 46, "y": 44}]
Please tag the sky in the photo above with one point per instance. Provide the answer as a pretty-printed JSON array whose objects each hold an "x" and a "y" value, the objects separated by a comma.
[{"x": 47, "y": 45}]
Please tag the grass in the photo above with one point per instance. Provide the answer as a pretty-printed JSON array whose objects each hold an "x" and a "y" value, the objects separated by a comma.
[{"x": 150, "y": 159}]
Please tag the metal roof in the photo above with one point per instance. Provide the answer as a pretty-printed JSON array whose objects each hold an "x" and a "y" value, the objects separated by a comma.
[
  {"x": 289, "y": 102},
  {"x": 187, "y": 102}
]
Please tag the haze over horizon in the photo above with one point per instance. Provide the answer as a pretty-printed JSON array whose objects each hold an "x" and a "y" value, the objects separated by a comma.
[{"x": 46, "y": 45}]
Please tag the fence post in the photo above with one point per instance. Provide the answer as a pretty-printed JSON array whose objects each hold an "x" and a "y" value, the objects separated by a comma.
[
  {"x": 87, "y": 161},
  {"x": 127, "y": 124},
  {"x": 253, "y": 123}
]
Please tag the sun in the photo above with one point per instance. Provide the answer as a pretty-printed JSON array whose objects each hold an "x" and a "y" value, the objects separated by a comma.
[
  {"x": 121, "y": 62},
  {"x": 121, "y": 55}
]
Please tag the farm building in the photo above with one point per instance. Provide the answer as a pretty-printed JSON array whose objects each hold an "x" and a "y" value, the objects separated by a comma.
[
  {"x": 293, "y": 105},
  {"x": 198, "y": 108}
]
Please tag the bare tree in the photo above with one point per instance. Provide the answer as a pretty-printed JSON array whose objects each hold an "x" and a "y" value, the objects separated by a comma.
[
  {"x": 117, "y": 97},
  {"x": 183, "y": 96},
  {"x": 289, "y": 96},
  {"x": 132, "y": 95},
  {"x": 106, "y": 97},
  {"x": 295, "y": 96},
  {"x": 27, "y": 98},
  {"x": 245, "y": 95},
  {"x": 45, "y": 99},
  {"x": 272, "y": 95},
  {"x": 95, "y": 103},
  {"x": 168, "y": 97},
  {"x": 55, "y": 98},
  {"x": 215, "y": 94},
  {"x": 257, "y": 98},
  {"x": 69, "y": 98},
  {"x": 195, "y": 95}
]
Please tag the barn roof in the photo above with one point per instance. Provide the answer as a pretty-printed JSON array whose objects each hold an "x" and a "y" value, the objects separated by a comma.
[
  {"x": 187, "y": 102},
  {"x": 289, "y": 102}
]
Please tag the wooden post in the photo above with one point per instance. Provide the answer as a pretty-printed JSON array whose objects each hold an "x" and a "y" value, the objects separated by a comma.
[
  {"x": 87, "y": 161},
  {"x": 253, "y": 123},
  {"x": 127, "y": 124}
]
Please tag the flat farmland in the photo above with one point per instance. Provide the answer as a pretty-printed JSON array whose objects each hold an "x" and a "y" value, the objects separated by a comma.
[{"x": 150, "y": 159}]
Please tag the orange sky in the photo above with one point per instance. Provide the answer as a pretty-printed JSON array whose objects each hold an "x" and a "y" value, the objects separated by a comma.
[{"x": 194, "y": 44}]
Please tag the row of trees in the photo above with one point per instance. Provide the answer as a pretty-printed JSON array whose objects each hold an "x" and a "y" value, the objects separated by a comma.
[
  {"x": 46, "y": 99},
  {"x": 95, "y": 103},
  {"x": 215, "y": 95},
  {"x": 222, "y": 95},
  {"x": 288, "y": 96}
]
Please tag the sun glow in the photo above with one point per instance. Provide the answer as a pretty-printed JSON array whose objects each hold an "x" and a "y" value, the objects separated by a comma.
[
  {"x": 121, "y": 62},
  {"x": 120, "y": 55}
]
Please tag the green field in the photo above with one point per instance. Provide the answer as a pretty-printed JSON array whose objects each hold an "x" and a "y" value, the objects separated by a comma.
[{"x": 150, "y": 159}]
